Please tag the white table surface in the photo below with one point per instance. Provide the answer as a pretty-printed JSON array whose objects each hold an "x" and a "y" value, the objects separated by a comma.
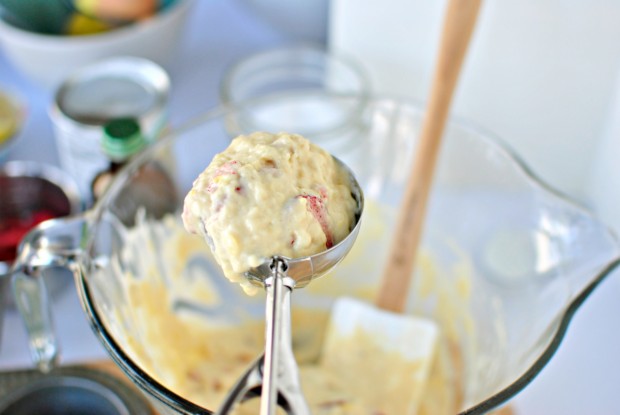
[{"x": 582, "y": 378}]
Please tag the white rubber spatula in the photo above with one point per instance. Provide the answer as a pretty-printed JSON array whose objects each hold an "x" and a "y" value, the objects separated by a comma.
[{"x": 382, "y": 355}]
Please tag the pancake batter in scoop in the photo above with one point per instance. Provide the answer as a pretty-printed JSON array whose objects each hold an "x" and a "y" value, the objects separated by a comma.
[{"x": 269, "y": 194}]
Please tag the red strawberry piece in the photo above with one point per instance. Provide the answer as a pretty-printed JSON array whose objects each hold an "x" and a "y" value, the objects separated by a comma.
[
  {"x": 316, "y": 206},
  {"x": 323, "y": 193},
  {"x": 227, "y": 168}
]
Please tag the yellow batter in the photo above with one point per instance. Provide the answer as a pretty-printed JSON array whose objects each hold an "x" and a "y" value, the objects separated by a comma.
[
  {"x": 201, "y": 357},
  {"x": 269, "y": 194}
]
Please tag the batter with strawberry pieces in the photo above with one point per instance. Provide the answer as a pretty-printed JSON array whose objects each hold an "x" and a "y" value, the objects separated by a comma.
[{"x": 269, "y": 194}]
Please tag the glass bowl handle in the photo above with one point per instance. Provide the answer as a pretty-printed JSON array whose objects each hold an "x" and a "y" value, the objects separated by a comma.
[{"x": 53, "y": 243}]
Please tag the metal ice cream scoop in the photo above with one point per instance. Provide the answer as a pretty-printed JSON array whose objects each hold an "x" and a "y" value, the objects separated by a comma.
[{"x": 274, "y": 375}]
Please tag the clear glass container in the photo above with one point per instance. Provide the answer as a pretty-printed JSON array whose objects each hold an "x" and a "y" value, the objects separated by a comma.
[
  {"x": 296, "y": 89},
  {"x": 505, "y": 263}
]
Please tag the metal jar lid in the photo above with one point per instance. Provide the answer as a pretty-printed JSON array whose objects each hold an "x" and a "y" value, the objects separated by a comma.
[{"x": 112, "y": 88}]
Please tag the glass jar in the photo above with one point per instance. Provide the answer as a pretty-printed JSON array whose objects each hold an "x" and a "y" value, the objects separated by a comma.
[{"x": 299, "y": 89}]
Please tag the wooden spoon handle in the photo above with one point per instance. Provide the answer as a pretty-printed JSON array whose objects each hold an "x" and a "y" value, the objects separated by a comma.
[{"x": 459, "y": 22}]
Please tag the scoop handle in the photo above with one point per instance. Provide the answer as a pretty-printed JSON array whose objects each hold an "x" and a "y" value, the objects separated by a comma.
[
  {"x": 274, "y": 375},
  {"x": 458, "y": 25}
]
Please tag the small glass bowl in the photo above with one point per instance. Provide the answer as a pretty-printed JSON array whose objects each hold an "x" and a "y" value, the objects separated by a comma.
[
  {"x": 31, "y": 190},
  {"x": 298, "y": 89}
]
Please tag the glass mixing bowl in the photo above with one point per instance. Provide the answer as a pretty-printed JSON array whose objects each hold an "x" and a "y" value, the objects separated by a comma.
[{"x": 505, "y": 263}]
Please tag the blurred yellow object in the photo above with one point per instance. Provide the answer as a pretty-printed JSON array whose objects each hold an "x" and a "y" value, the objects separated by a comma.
[
  {"x": 117, "y": 10},
  {"x": 9, "y": 117},
  {"x": 79, "y": 24}
]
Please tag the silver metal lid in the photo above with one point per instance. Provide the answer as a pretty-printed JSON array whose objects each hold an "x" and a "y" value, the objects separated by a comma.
[{"x": 118, "y": 87}]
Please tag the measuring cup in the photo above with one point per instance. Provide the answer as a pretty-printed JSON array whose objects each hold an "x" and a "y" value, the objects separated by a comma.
[{"x": 504, "y": 263}]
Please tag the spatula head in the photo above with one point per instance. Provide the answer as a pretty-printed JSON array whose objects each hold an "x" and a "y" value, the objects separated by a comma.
[{"x": 383, "y": 358}]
